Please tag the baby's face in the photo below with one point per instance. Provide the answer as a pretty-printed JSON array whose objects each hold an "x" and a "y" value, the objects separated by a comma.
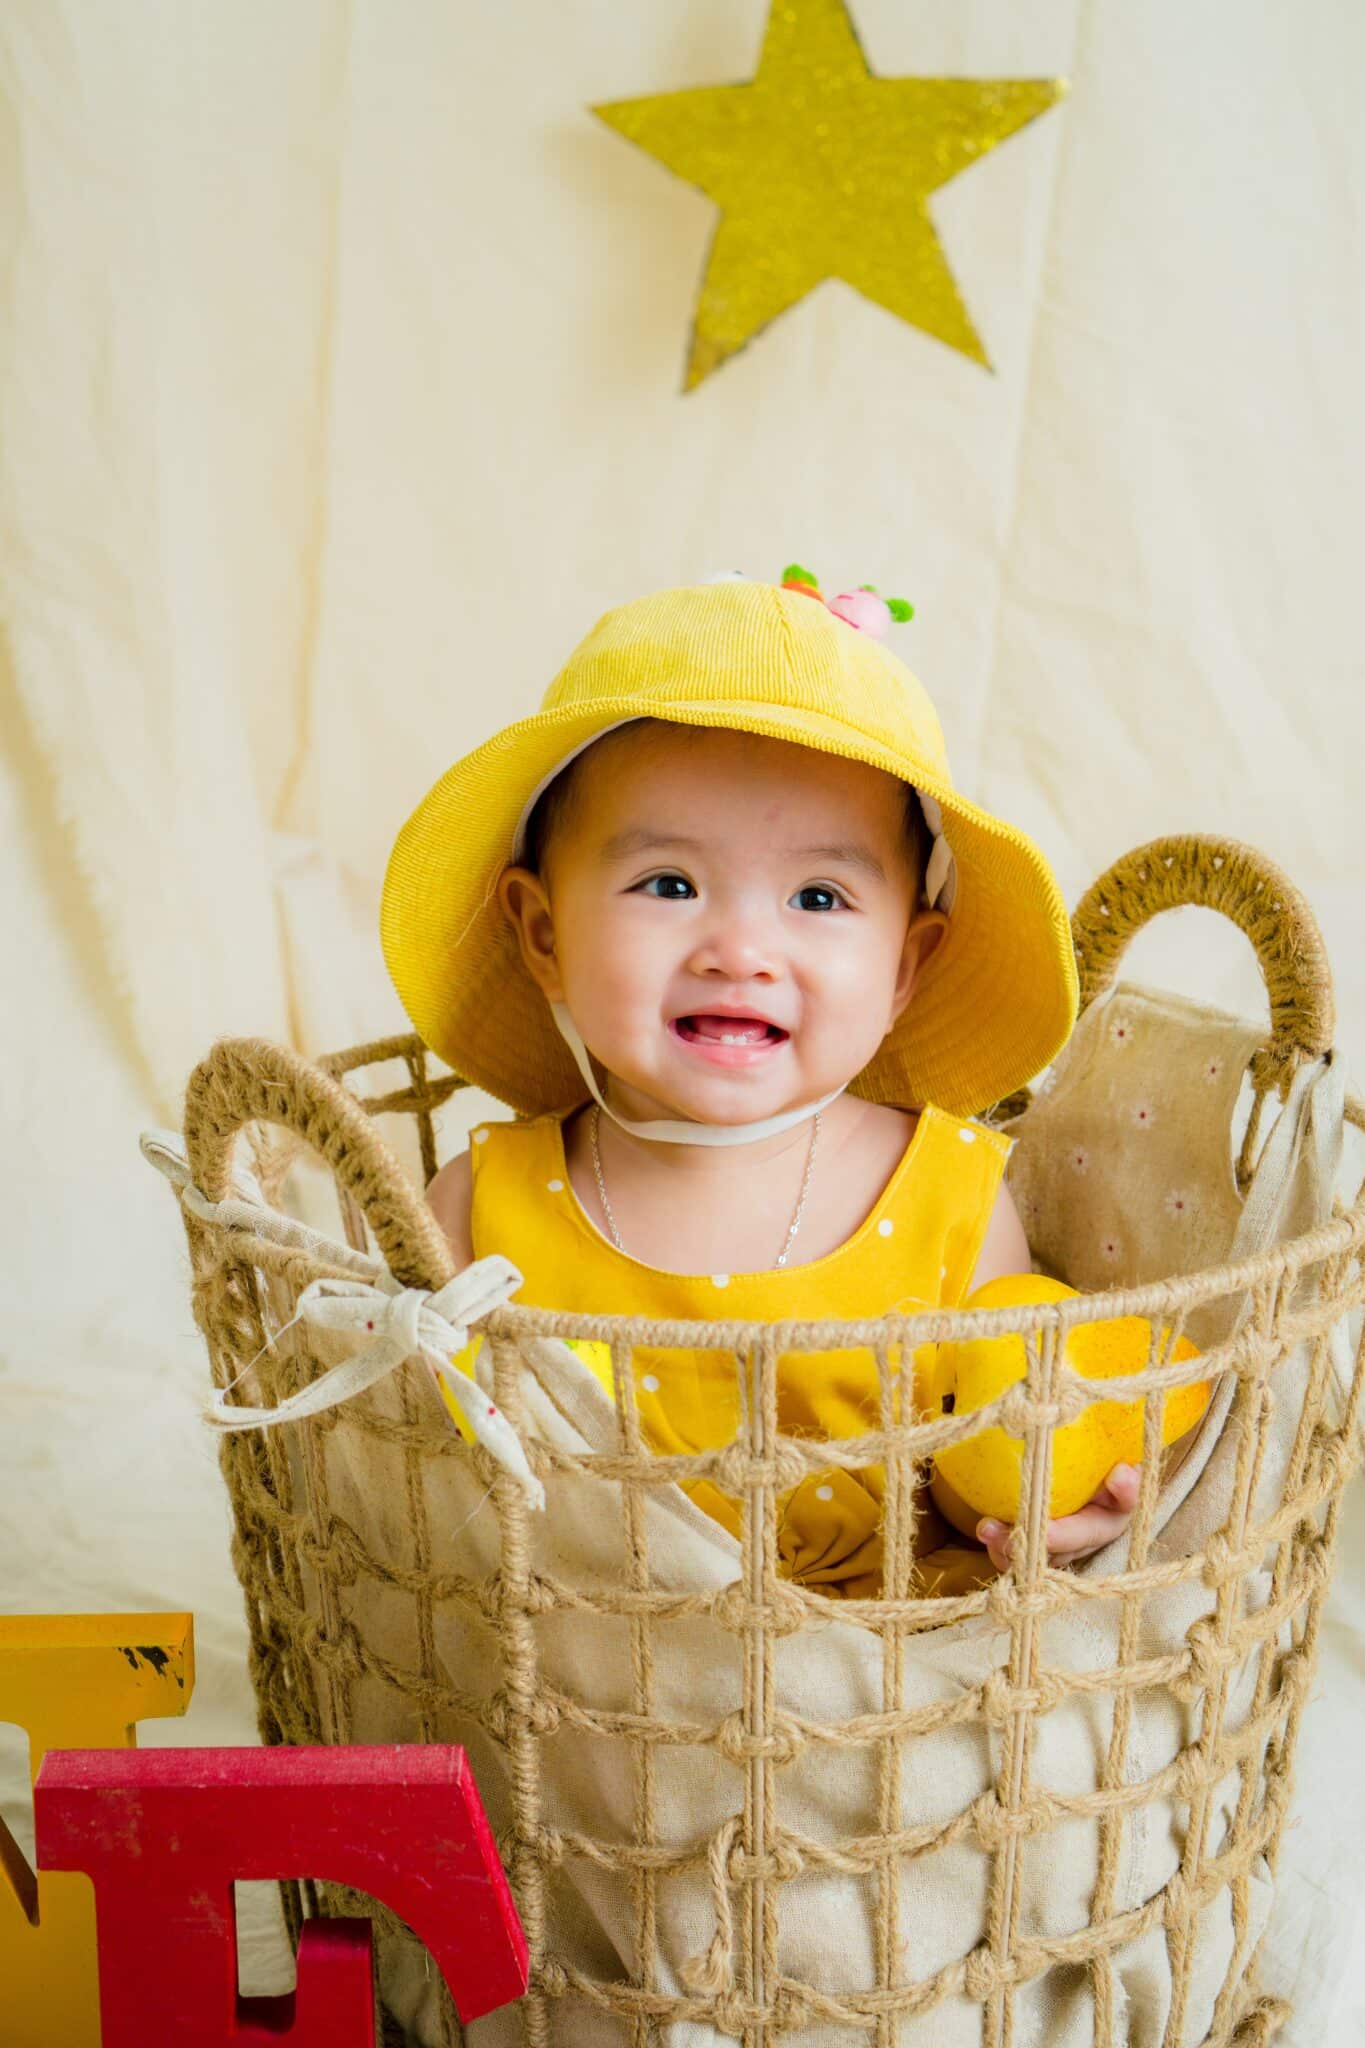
[{"x": 728, "y": 919}]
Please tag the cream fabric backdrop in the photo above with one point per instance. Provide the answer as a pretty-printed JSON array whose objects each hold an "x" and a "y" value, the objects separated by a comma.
[{"x": 340, "y": 355}]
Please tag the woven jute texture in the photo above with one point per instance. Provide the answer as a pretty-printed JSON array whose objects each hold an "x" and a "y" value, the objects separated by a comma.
[{"x": 1044, "y": 1812}]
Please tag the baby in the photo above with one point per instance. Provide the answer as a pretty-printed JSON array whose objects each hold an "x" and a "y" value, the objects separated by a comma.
[{"x": 717, "y": 924}]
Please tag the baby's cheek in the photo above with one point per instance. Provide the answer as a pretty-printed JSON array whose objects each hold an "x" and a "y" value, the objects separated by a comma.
[
  {"x": 853, "y": 1011},
  {"x": 862, "y": 975},
  {"x": 595, "y": 960},
  {"x": 608, "y": 999}
]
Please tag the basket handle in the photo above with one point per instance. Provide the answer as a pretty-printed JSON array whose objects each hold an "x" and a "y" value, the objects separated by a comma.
[
  {"x": 1224, "y": 875},
  {"x": 251, "y": 1080}
]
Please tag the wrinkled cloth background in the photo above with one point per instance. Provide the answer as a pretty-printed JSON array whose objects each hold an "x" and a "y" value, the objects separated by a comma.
[{"x": 340, "y": 365}]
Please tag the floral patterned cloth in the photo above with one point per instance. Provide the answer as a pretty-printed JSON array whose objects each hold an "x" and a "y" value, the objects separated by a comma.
[{"x": 1123, "y": 1170}]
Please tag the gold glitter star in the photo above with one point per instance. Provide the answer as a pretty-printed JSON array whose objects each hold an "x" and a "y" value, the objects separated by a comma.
[{"x": 821, "y": 169}]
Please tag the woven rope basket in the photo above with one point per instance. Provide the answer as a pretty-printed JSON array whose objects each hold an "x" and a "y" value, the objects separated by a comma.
[{"x": 730, "y": 1807}]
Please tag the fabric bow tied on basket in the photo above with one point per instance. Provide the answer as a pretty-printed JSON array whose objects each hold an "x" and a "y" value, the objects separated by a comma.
[
  {"x": 386, "y": 1322},
  {"x": 388, "y": 1328}
]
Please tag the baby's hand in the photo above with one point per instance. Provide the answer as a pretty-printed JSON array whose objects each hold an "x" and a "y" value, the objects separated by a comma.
[{"x": 1072, "y": 1537}]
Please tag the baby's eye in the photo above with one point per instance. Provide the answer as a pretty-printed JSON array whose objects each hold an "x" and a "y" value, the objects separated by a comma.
[
  {"x": 672, "y": 888},
  {"x": 818, "y": 896}
]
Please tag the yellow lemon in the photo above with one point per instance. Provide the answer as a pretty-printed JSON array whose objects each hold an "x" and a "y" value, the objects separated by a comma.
[{"x": 981, "y": 1476}]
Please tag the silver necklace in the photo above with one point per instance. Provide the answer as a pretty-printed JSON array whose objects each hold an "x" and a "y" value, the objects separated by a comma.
[{"x": 788, "y": 1241}]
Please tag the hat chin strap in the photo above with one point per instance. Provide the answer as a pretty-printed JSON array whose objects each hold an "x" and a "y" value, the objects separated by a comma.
[{"x": 674, "y": 1131}]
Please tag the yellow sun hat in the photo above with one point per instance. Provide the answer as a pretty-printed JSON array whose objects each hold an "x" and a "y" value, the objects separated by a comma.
[{"x": 996, "y": 999}]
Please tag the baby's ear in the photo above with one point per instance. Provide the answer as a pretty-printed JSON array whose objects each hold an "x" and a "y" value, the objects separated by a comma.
[
  {"x": 525, "y": 904},
  {"x": 923, "y": 935}
]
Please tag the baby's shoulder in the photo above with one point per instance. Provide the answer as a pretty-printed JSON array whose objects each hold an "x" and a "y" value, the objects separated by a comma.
[
  {"x": 501, "y": 1155},
  {"x": 451, "y": 1200},
  {"x": 1004, "y": 1247}
]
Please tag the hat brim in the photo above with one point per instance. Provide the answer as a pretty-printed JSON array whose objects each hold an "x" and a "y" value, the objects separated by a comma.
[{"x": 1006, "y": 961}]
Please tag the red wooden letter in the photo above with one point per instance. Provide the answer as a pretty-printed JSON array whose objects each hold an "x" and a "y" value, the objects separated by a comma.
[{"x": 163, "y": 1834}]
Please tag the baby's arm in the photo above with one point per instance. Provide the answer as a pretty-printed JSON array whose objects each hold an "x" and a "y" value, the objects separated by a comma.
[
  {"x": 1004, "y": 1249},
  {"x": 451, "y": 1197}
]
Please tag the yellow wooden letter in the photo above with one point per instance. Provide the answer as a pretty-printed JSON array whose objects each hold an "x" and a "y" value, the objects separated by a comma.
[{"x": 72, "y": 1681}]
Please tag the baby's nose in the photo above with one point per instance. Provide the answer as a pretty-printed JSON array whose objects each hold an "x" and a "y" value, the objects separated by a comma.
[{"x": 735, "y": 951}]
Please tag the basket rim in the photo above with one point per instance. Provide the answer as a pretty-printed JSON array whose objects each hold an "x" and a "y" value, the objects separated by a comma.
[{"x": 1153, "y": 1298}]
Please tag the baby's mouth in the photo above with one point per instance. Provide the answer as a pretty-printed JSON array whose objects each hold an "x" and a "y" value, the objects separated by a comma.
[{"x": 706, "y": 1028}]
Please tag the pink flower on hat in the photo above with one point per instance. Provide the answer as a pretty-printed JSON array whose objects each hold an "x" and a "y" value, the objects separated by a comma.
[{"x": 863, "y": 609}]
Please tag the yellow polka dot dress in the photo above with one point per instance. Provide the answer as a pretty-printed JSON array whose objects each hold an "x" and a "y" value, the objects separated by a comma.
[{"x": 916, "y": 1249}]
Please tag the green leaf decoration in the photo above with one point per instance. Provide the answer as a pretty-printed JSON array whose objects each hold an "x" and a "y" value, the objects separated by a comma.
[
  {"x": 900, "y": 610},
  {"x": 794, "y": 573},
  {"x": 868, "y": 586}
]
